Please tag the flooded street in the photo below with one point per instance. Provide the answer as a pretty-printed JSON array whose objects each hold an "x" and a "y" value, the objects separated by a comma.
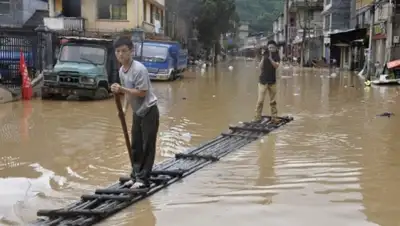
[{"x": 335, "y": 164}]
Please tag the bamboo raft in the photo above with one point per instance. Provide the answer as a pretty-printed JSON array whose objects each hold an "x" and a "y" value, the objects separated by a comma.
[{"x": 93, "y": 208}]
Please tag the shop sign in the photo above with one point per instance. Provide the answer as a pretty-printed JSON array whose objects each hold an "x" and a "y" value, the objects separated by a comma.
[{"x": 379, "y": 31}]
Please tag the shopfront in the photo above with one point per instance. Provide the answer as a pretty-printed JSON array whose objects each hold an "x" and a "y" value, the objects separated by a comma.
[{"x": 379, "y": 42}]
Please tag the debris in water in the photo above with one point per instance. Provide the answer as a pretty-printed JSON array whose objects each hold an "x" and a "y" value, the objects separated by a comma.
[
  {"x": 186, "y": 136},
  {"x": 386, "y": 114},
  {"x": 230, "y": 68}
]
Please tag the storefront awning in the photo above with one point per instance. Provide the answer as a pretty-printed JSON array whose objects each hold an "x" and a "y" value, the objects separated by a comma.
[
  {"x": 348, "y": 36},
  {"x": 393, "y": 64}
]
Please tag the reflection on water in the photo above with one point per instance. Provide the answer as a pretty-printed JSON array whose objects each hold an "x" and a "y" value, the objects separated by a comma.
[
  {"x": 140, "y": 214},
  {"x": 336, "y": 164}
]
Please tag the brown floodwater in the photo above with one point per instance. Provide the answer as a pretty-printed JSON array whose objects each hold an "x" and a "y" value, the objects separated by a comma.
[{"x": 335, "y": 164}]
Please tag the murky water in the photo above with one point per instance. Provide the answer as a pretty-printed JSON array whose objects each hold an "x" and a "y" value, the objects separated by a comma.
[{"x": 336, "y": 164}]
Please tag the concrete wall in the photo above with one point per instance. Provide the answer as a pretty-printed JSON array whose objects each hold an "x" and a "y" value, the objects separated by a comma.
[
  {"x": 89, "y": 12},
  {"x": 340, "y": 11},
  {"x": 30, "y": 6},
  {"x": 315, "y": 48},
  {"x": 315, "y": 20},
  {"x": 353, "y": 14},
  {"x": 135, "y": 16},
  {"x": 340, "y": 14},
  {"x": 15, "y": 18},
  {"x": 21, "y": 11}
]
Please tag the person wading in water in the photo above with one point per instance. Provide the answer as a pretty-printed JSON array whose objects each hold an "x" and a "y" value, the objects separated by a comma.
[
  {"x": 267, "y": 81},
  {"x": 136, "y": 86}
]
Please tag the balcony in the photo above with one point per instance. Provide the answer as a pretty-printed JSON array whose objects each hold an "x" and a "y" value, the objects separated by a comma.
[
  {"x": 310, "y": 33},
  {"x": 294, "y": 5},
  {"x": 292, "y": 32},
  {"x": 150, "y": 28},
  {"x": 159, "y": 3},
  {"x": 64, "y": 23},
  {"x": 318, "y": 32}
]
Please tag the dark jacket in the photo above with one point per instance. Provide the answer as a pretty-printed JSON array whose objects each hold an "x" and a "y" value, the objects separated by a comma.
[{"x": 268, "y": 72}]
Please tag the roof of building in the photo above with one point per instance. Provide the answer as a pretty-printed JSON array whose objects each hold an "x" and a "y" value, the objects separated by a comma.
[{"x": 37, "y": 18}]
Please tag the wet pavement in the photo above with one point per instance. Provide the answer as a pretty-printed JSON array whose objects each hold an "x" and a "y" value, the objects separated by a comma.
[{"x": 335, "y": 164}]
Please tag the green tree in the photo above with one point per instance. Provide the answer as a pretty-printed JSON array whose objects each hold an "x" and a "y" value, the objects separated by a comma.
[
  {"x": 215, "y": 17},
  {"x": 259, "y": 13}
]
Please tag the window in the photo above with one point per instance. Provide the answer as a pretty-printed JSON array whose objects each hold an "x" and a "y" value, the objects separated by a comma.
[
  {"x": 310, "y": 15},
  {"x": 327, "y": 22},
  {"x": 82, "y": 54},
  {"x": 367, "y": 17},
  {"x": 162, "y": 18},
  {"x": 361, "y": 20},
  {"x": 153, "y": 53},
  {"x": 5, "y": 7},
  {"x": 292, "y": 22},
  {"x": 111, "y": 9},
  {"x": 152, "y": 14},
  {"x": 144, "y": 10}
]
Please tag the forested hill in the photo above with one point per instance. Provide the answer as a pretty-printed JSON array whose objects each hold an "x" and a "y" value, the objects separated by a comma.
[{"x": 260, "y": 13}]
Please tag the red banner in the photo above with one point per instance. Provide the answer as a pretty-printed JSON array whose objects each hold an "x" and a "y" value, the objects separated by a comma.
[{"x": 26, "y": 90}]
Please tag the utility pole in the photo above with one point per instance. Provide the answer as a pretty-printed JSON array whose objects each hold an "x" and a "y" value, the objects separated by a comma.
[
  {"x": 286, "y": 28},
  {"x": 390, "y": 32},
  {"x": 371, "y": 50}
]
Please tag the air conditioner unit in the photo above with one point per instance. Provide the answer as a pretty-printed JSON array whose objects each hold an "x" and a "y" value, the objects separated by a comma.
[{"x": 396, "y": 39}]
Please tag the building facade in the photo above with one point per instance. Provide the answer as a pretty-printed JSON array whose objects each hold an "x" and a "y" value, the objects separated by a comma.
[
  {"x": 384, "y": 19},
  {"x": 382, "y": 15},
  {"x": 180, "y": 23},
  {"x": 346, "y": 26},
  {"x": 336, "y": 19},
  {"x": 106, "y": 15},
  {"x": 16, "y": 13},
  {"x": 371, "y": 39},
  {"x": 305, "y": 21},
  {"x": 243, "y": 31},
  {"x": 278, "y": 30}
]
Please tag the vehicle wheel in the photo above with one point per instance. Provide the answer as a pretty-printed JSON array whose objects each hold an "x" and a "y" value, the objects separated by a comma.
[
  {"x": 101, "y": 93},
  {"x": 172, "y": 77}
]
